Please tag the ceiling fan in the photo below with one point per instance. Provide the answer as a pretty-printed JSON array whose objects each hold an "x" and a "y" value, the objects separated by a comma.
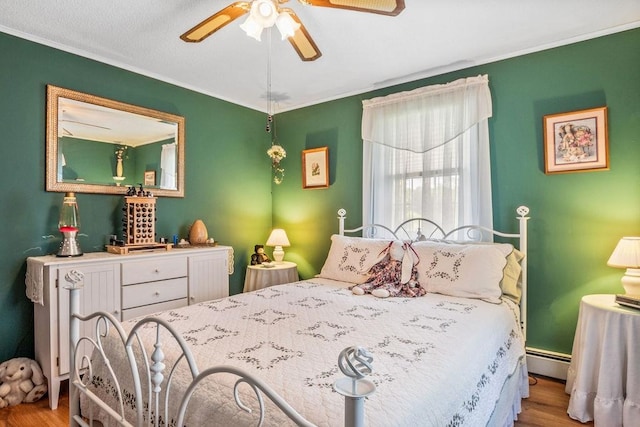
[{"x": 266, "y": 13}]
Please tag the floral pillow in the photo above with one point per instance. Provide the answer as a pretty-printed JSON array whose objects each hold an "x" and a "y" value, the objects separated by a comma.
[
  {"x": 351, "y": 258},
  {"x": 463, "y": 270}
]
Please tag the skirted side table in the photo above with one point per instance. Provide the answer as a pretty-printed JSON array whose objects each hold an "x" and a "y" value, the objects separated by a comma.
[{"x": 259, "y": 276}]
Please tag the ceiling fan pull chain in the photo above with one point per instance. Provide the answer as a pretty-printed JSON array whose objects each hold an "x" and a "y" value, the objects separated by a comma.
[{"x": 269, "y": 106}]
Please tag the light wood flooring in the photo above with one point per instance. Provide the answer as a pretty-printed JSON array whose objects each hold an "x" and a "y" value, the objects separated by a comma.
[{"x": 546, "y": 407}]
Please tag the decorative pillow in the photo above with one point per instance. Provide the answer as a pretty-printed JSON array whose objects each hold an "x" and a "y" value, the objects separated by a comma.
[
  {"x": 511, "y": 285},
  {"x": 462, "y": 270},
  {"x": 351, "y": 258}
]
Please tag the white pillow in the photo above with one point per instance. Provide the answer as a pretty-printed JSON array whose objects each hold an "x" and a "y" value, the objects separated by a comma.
[
  {"x": 462, "y": 270},
  {"x": 350, "y": 258}
]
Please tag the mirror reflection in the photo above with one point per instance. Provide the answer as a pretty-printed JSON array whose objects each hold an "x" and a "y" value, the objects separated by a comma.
[{"x": 98, "y": 145}]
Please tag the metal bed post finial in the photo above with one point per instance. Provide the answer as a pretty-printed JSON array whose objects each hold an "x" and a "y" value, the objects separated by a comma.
[
  {"x": 355, "y": 363},
  {"x": 341, "y": 217}
]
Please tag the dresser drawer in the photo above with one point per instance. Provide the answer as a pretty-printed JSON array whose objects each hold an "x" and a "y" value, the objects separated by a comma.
[
  {"x": 145, "y": 310},
  {"x": 153, "y": 292},
  {"x": 153, "y": 269}
]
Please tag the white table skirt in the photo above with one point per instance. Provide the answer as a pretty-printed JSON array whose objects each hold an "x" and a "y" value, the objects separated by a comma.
[
  {"x": 259, "y": 277},
  {"x": 604, "y": 375}
]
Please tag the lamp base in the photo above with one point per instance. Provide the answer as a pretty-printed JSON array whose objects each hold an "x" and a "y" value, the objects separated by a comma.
[
  {"x": 69, "y": 246},
  {"x": 631, "y": 281},
  {"x": 278, "y": 254}
]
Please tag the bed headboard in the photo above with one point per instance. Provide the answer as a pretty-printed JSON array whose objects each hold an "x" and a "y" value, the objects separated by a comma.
[{"x": 416, "y": 229}]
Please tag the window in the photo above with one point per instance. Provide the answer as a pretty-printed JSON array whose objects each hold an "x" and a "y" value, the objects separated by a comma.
[{"x": 426, "y": 154}]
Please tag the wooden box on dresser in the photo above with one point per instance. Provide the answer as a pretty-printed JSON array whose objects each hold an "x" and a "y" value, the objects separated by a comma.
[{"x": 127, "y": 286}]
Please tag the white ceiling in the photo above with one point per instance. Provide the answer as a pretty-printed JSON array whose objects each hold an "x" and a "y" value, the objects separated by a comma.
[{"x": 360, "y": 51}]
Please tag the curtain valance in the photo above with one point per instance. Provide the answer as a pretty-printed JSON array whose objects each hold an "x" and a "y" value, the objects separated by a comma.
[{"x": 413, "y": 120}]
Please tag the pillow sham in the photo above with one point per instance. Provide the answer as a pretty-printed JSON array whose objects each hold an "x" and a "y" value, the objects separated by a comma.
[
  {"x": 510, "y": 284},
  {"x": 463, "y": 270},
  {"x": 351, "y": 258}
]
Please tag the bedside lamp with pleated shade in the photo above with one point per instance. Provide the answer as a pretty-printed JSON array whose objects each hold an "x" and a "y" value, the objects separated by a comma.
[
  {"x": 627, "y": 255},
  {"x": 278, "y": 238}
]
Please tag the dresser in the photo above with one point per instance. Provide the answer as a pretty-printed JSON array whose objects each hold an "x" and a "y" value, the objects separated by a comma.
[{"x": 126, "y": 286}]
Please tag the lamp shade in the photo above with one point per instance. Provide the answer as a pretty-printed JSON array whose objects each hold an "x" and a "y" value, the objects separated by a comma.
[
  {"x": 626, "y": 254},
  {"x": 286, "y": 25},
  {"x": 278, "y": 237}
]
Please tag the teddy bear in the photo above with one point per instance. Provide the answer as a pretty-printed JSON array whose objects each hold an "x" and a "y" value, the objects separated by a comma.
[
  {"x": 259, "y": 257},
  {"x": 21, "y": 380}
]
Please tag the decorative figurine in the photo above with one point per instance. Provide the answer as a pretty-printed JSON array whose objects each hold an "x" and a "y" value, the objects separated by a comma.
[{"x": 259, "y": 256}]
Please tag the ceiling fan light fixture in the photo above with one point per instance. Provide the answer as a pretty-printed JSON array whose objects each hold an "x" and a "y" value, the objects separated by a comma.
[
  {"x": 264, "y": 12},
  {"x": 252, "y": 28},
  {"x": 286, "y": 25}
]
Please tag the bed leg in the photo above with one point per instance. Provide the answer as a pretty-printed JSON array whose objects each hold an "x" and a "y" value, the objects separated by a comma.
[{"x": 74, "y": 336}]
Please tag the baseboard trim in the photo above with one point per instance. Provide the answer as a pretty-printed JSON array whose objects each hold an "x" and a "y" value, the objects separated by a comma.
[{"x": 548, "y": 363}]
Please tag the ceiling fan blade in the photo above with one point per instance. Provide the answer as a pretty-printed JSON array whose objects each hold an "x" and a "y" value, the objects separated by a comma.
[
  {"x": 213, "y": 23},
  {"x": 302, "y": 41},
  {"x": 383, "y": 7}
]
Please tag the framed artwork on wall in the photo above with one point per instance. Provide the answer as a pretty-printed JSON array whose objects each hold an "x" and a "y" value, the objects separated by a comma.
[
  {"x": 315, "y": 168},
  {"x": 150, "y": 178},
  {"x": 576, "y": 141}
]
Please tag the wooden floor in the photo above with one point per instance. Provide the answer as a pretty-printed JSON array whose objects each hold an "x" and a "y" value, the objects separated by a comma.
[{"x": 547, "y": 406}]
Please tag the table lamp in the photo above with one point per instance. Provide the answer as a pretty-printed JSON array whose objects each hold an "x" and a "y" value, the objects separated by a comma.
[
  {"x": 69, "y": 224},
  {"x": 278, "y": 238},
  {"x": 627, "y": 255}
]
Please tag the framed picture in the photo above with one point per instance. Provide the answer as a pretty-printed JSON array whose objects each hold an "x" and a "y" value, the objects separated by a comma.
[
  {"x": 315, "y": 168},
  {"x": 576, "y": 141},
  {"x": 150, "y": 178}
]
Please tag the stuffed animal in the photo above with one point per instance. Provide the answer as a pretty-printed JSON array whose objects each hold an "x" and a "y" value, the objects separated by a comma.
[
  {"x": 395, "y": 275},
  {"x": 259, "y": 256},
  {"x": 21, "y": 380}
]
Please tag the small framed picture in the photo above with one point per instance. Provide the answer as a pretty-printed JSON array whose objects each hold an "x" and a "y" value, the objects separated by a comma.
[
  {"x": 150, "y": 178},
  {"x": 315, "y": 168},
  {"x": 576, "y": 141}
]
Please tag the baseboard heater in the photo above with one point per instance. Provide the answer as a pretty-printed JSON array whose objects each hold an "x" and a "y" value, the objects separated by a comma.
[{"x": 548, "y": 363}]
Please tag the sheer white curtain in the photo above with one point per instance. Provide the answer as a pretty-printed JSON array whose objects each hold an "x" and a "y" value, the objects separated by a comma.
[
  {"x": 426, "y": 153},
  {"x": 168, "y": 167}
]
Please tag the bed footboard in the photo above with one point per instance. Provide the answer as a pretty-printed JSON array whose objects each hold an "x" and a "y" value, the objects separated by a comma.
[{"x": 153, "y": 376}]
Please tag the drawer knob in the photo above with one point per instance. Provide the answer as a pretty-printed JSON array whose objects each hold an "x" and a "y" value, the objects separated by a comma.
[
  {"x": 157, "y": 294},
  {"x": 157, "y": 271}
]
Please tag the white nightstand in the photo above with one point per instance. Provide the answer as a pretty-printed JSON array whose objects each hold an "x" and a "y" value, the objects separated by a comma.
[
  {"x": 259, "y": 276},
  {"x": 604, "y": 375}
]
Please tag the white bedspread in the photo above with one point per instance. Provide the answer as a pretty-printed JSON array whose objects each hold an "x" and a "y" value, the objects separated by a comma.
[{"x": 438, "y": 360}]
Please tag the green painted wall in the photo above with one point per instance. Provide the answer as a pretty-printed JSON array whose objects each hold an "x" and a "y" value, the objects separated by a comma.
[
  {"x": 227, "y": 173},
  {"x": 576, "y": 219}
]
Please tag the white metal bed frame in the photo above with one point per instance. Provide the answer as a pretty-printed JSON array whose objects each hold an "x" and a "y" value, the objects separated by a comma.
[
  {"x": 474, "y": 233},
  {"x": 353, "y": 362}
]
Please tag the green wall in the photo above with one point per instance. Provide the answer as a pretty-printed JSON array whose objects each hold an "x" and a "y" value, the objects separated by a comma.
[
  {"x": 227, "y": 179},
  {"x": 576, "y": 219}
]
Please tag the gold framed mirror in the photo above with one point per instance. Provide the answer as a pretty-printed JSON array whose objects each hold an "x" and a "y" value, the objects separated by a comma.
[{"x": 98, "y": 145}]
